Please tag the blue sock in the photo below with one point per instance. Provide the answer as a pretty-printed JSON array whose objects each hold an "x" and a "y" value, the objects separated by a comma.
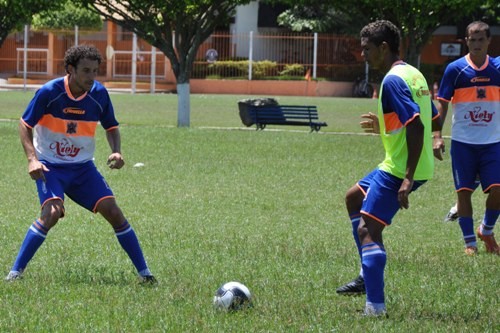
[
  {"x": 129, "y": 242},
  {"x": 467, "y": 226},
  {"x": 355, "y": 223},
  {"x": 32, "y": 241},
  {"x": 489, "y": 220},
  {"x": 374, "y": 259}
]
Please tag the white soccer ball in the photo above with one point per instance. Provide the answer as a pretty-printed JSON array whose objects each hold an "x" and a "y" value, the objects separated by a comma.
[{"x": 232, "y": 296}]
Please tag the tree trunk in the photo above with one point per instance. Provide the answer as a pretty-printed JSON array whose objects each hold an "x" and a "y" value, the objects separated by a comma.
[{"x": 183, "y": 107}]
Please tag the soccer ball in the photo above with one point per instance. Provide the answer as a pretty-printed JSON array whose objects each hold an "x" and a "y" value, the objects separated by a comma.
[{"x": 232, "y": 296}]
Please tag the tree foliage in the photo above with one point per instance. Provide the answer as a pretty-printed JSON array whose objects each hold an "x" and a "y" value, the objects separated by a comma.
[
  {"x": 16, "y": 13},
  {"x": 67, "y": 17},
  {"x": 321, "y": 18},
  {"x": 177, "y": 28},
  {"x": 417, "y": 19},
  {"x": 490, "y": 12}
]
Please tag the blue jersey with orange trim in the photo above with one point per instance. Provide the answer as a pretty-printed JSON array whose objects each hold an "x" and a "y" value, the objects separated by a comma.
[
  {"x": 404, "y": 95},
  {"x": 63, "y": 126},
  {"x": 475, "y": 97}
]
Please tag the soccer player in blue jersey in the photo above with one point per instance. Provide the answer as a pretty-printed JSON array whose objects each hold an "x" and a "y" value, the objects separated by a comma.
[
  {"x": 472, "y": 85},
  {"x": 405, "y": 120},
  {"x": 57, "y": 133}
]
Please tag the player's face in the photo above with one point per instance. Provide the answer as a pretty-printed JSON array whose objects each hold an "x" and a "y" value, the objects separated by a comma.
[
  {"x": 372, "y": 54},
  {"x": 82, "y": 76},
  {"x": 478, "y": 43}
]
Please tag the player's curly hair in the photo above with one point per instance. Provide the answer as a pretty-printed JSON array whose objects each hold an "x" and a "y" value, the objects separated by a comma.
[
  {"x": 382, "y": 31},
  {"x": 75, "y": 53},
  {"x": 478, "y": 26}
]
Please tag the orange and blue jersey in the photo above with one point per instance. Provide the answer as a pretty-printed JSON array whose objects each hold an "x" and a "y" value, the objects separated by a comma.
[
  {"x": 474, "y": 93},
  {"x": 64, "y": 127},
  {"x": 404, "y": 95}
]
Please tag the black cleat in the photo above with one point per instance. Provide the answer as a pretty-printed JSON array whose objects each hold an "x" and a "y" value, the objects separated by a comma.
[
  {"x": 452, "y": 215},
  {"x": 355, "y": 287},
  {"x": 148, "y": 280}
]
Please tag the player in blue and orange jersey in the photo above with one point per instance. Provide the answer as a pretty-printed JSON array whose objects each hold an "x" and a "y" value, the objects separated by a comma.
[
  {"x": 472, "y": 85},
  {"x": 57, "y": 132},
  {"x": 405, "y": 121}
]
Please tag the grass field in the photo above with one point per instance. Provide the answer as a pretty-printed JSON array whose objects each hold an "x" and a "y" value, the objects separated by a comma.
[{"x": 215, "y": 203}]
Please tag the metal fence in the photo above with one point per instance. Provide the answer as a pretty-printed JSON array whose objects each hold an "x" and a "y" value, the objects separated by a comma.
[{"x": 223, "y": 55}]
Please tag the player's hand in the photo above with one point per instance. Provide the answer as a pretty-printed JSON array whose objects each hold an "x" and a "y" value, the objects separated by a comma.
[
  {"x": 370, "y": 125},
  {"x": 404, "y": 192},
  {"x": 37, "y": 169},
  {"x": 115, "y": 161},
  {"x": 438, "y": 147}
]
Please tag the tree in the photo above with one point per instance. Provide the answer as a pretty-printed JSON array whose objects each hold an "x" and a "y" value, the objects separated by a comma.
[
  {"x": 417, "y": 19},
  {"x": 16, "y": 13},
  {"x": 70, "y": 15},
  {"x": 176, "y": 28},
  {"x": 321, "y": 17}
]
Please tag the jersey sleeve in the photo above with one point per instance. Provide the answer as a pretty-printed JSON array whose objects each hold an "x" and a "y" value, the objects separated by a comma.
[
  {"x": 107, "y": 117},
  {"x": 447, "y": 87},
  {"x": 434, "y": 110},
  {"x": 36, "y": 108},
  {"x": 397, "y": 99}
]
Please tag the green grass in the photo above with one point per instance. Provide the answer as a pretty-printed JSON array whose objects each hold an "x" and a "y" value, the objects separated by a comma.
[{"x": 215, "y": 205}]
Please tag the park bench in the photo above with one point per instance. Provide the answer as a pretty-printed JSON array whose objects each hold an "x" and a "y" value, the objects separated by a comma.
[{"x": 294, "y": 115}]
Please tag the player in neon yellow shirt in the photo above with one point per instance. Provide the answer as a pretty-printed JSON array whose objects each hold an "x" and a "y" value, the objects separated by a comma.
[{"x": 405, "y": 120}]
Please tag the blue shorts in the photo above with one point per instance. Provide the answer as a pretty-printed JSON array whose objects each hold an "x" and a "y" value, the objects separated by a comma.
[
  {"x": 381, "y": 195},
  {"x": 469, "y": 161},
  {"x": 80, "y": 182}
]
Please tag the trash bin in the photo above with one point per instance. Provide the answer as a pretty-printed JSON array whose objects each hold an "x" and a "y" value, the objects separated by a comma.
[{"x": 246, "y": 115}]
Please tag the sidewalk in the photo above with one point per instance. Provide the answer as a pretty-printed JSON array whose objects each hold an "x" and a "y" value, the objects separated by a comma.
[{"x": 5, "y": 86}]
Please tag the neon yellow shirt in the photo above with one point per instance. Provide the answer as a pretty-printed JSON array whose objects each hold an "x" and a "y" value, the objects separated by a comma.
[{"x": 404, "y": 95}]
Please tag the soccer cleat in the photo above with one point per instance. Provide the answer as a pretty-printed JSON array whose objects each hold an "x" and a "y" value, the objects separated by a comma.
[
  {"x": 13, "y": 276},
  {"x": 452, "y": 215},
  {"x": 355, "y": 287},
  {"x": 471, "y": 251},
  {"x": 148, "y": 280},
  {"x": 489, "y": 242},
  {"x": 372, "y": 313}
]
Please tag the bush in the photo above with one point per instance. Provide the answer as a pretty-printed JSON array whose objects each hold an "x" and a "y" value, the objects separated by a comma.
[
  {"x": 261, "y": 69},
  {"x": 293, "y": 70}
]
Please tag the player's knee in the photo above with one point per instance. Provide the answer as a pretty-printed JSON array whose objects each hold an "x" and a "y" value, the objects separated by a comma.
[
  {"x": 354, "y": 199},
  {"x": 52, "y": 211},
  {"x": 494, "y": 197},
  {"x": 112, "y": 213}
]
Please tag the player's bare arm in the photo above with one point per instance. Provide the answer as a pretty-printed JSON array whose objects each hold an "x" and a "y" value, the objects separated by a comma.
[
  {"x": 438, "y": 145},
  {"x": 415, "y": 143},
  {"x": 35, "y": 168},
  {"x": 115, "y": 160}
]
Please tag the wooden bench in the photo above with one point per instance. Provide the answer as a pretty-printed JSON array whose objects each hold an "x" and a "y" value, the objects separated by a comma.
[{"x": 295, "y": 115}]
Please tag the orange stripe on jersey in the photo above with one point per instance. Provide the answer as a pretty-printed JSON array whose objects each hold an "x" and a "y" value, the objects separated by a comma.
[
  {"x": 392, "y": 122},
  {"x": 472, "y": 94},
  {"x": 68, "y": 127}
]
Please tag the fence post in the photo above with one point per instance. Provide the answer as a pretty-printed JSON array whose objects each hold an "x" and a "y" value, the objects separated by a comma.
[
  {"x": 250, "y": 56},
  {"x": 76, "y": 35},
  {"x": 25, "y": 55},
  {"x": 152, "y": 86},
  {"x": 134, "y": 62},
  {"x": 315, "y": 55}
]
